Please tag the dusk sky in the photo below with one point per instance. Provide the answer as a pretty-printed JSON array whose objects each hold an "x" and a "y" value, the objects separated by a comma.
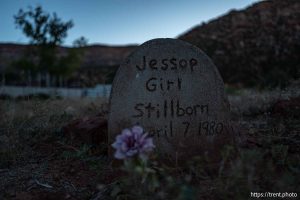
[{"x": 119, "y": 22}]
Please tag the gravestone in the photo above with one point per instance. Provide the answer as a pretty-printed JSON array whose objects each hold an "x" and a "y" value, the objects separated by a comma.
[{"x": 174, "y": 91}]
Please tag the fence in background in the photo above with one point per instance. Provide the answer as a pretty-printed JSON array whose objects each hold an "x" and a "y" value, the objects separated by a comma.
[{"x": 101, "y": 90}]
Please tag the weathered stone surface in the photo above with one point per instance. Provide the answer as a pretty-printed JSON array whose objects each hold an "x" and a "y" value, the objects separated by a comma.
[{"x": 175, "y": 92}]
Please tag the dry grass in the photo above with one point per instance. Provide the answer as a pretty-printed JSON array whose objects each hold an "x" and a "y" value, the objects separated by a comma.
[{"x": 268, "y": 156}]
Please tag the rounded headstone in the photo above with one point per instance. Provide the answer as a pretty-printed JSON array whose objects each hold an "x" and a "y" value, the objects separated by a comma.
[{"x": 174, "y": 91}]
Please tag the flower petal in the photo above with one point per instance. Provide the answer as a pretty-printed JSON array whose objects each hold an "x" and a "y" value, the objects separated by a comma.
[
  {"x": 131, "y": 152},
  {"x": 148, "y": 145},
  {"x": 137, "y": 130},
  {"x": 116, "y": 145},
  {"x": 124, "y": 147},
  {"x": 120, "y": 155},
  {"x": 142, "y": 139},
  {"x": 119, "y": 138},
  {"x": 131, "y": 142},
  {"x": 126, "y": 133}
]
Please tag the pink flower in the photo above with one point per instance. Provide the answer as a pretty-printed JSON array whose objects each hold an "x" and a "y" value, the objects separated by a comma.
[{"x": 132, "y": 142}]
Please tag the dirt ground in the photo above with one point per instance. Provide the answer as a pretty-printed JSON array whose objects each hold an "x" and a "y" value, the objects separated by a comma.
[{"x": 39, "y": 161}]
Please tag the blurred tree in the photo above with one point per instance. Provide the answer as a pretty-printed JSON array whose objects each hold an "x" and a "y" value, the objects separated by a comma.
[
  {"x": 46, "y": 32},
  {"x": 41, "y": 28},
  {"x": 80, "y": 42}
]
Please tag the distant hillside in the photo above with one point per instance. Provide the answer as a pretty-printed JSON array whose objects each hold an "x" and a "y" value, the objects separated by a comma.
[
  {"x": 256, "y": 46},
  {"x": 98, "y": 65},
  {"x": 94, "y": 55}
]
